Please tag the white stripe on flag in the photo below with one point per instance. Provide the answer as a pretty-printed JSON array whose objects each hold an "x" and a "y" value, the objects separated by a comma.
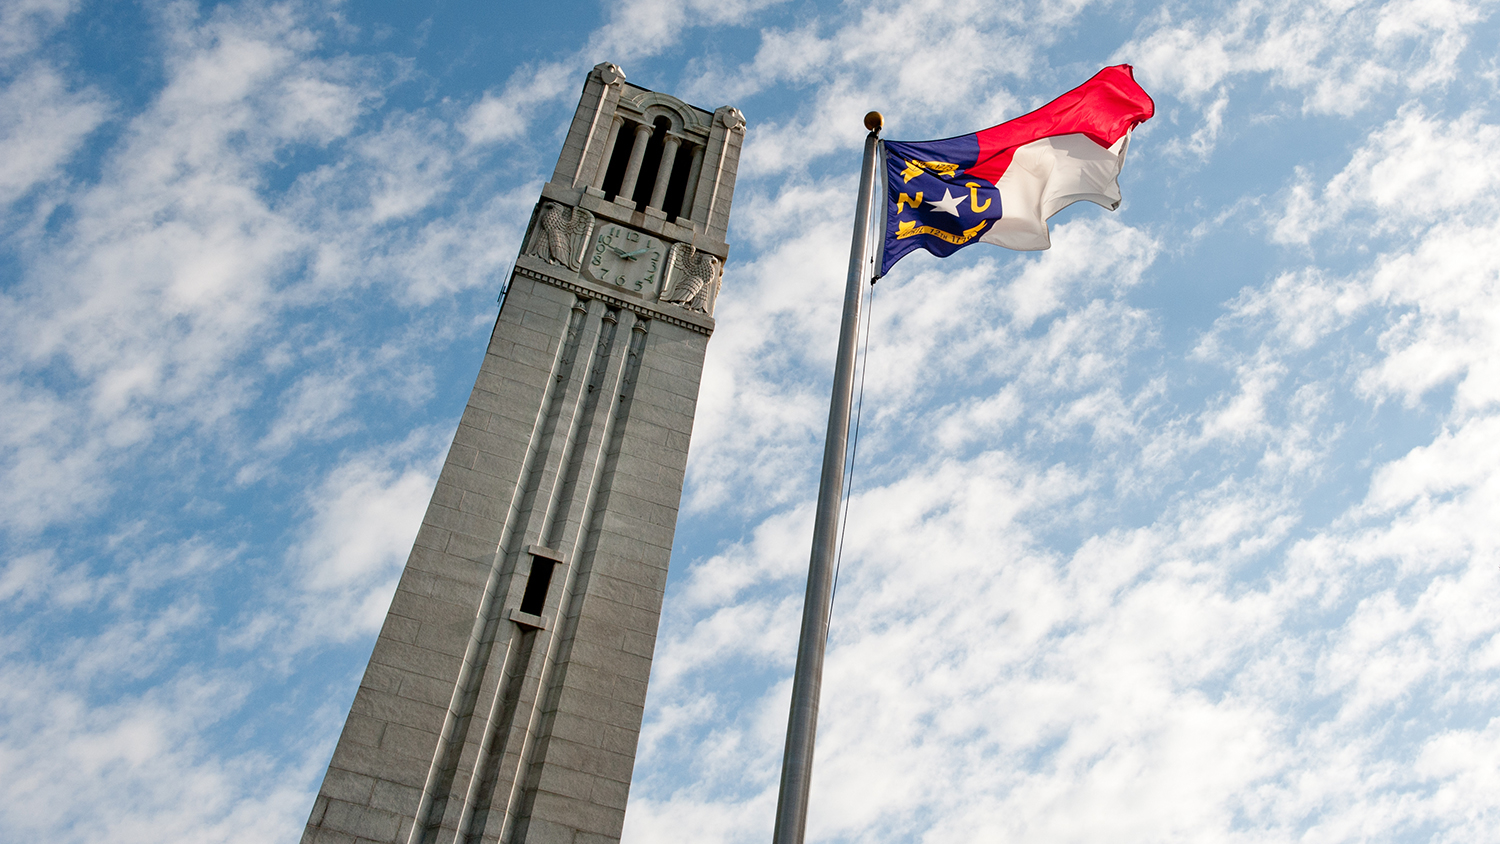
[{"x": 1047, "y": 176}]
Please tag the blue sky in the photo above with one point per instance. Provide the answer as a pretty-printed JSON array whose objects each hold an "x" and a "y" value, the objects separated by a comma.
[{"x": 1182, "y": 531}]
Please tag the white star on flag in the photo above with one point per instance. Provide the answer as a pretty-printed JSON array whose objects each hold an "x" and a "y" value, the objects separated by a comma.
[{"x": 948, "y": 203}]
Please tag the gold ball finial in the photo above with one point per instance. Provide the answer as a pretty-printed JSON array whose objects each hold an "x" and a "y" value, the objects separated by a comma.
[{"x": 873, "y": 121}]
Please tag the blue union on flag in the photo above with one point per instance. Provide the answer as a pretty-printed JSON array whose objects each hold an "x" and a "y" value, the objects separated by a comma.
[{"x": 1000, "y": 185}]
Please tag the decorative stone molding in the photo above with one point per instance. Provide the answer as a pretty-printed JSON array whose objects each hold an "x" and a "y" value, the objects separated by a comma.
[
  {"x": 609, "y": 73},
  {"x": 640, "y": 309}
]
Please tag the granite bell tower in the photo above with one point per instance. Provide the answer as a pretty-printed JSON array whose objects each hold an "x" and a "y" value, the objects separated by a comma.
[{"x": 504, "y": 697}]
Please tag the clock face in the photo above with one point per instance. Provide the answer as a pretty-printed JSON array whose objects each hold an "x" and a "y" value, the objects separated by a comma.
[{"x": 627, "y": 259}]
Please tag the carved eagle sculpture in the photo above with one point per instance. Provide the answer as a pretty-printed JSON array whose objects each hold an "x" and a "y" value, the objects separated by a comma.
[
  {"x": 560, "y": 235},
  {"x": 695, "y": 274}
]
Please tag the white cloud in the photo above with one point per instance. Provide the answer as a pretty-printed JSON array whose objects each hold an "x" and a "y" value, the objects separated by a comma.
[
  {"x": 135, "y": 770},
  {"x": 42, "y": 124},
  {"x": 25, "y": 23},
  {"x": 365, "y": 516}
]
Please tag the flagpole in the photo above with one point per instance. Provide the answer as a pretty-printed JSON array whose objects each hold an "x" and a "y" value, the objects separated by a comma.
[{"x": 807, "y": 681}]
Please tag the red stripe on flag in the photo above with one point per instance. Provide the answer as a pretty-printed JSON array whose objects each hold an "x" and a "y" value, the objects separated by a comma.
[{"x": 1103, "y": 108}]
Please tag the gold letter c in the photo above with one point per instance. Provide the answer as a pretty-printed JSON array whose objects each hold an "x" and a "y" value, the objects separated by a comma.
[{"x": 974, "y": 198}]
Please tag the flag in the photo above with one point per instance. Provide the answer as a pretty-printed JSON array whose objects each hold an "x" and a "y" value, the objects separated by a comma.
[{"x": 1000, "y": 185}]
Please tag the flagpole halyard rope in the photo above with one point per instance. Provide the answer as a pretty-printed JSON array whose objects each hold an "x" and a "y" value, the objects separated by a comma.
[{"x": 859, "y": 409}]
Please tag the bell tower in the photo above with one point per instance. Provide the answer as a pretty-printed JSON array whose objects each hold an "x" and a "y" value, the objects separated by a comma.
[{"x": 504, "y": 697}]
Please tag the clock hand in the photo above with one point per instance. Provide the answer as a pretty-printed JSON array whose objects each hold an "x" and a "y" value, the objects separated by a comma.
[{"x": 632, "y": 255}]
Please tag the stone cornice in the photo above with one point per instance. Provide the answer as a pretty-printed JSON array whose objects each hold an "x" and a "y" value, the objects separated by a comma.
[{"x": 693, "y": 322}]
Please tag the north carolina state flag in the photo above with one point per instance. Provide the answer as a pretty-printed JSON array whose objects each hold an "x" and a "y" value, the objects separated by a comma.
[{"x": 1000, "y": 185}]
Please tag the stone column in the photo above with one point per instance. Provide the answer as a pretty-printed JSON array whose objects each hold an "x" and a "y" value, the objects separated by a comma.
[
  {"x": 664, "y": 172},
  {"x": 637, "y": 153}
]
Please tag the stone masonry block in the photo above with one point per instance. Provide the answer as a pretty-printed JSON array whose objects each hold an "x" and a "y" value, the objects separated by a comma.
[
  {"x": 362, "y": 821},
  {"x": 640, "y": 619},
  {"x": 630, "y": 547},
  {"x": 505, "y": 469},
  {"x": 453, "y": 589},
  {"x": 578, "y": 814},
  {"x": 543, "y": 322},
  {"x": 640, "y": 644},
  {"x": 540, "y": 830},
  {"x": 663, "y": 417},
  {"x": 508, "y": 387},
  {"x": 638, "y": 572},
  {"x": 566, "y": 782},
  {"x": 484, "y": 506},
  {"x": 674, "y": 341},
  {"x": 392, "y": 709},
  {"x": 575, "y": 728},
  {"x": 446, "y": 494},
  {"x": 525, "y": 362},
  {"x": 608, "y": 710},
  {"x": 362, "y": 731},
  {"x": 478, "y": 549},
  {"x": 447, "y": 637},
  {"x": 400, "y": 629},
  {"x": 411, "y": 742},
  {"x": 677, "y": 440},
  {"x": 395, "y": 797},
  {"x": 601, "y": 630},
  {"x": 431, "y": 536},
  {"x": 320, "y": 835},
  {"x": 493, "y": 442},
  {"x": 416, "y": 660},
  {"x": 545, "y": 341},
  {"x": 610, "y": 793},
  {"x": 645, "y": 431},
  {"x": 458, "y": 521},
  {"x": 643, "y": 477},
  {"x": 421, "y": 608},
  {"x": 348, "y": 787},
  {"x": 381, "y": 763},
  {"x": 427, "y": 562},
  {"x": 460, "y": 455},
  {"x": 674, "y": 367},
  {"x": 622, "y": 738},
  {"x": 382, "y": 678},
  {"x": 427, "y": 689},
  {"x": 634, "y": 507},
  {"x": 628, "y": 595},
  {"x": 677, "y": 407},
  {"x": 650, "y": 442}
]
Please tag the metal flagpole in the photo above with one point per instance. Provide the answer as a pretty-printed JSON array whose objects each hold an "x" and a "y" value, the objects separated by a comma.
[{"x": 796, "y": 764}]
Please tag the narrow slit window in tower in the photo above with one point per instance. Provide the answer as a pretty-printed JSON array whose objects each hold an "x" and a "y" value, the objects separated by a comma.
[{"x": 534, "y": 599}]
